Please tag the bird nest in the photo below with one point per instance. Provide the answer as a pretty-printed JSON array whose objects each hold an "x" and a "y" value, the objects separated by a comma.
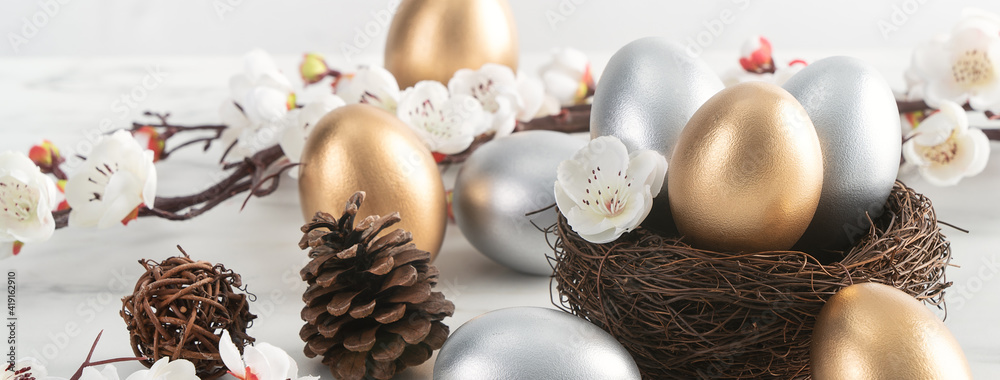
[{"x": 687, "y": 313}]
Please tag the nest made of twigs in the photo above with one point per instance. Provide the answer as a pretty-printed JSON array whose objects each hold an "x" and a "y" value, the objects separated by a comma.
[
  {"x": 689, "y": 313},
  {"x": 179, "y": 308}
]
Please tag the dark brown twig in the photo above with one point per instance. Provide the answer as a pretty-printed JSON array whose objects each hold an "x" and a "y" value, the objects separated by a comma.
[{"x": 88, "y": 363}]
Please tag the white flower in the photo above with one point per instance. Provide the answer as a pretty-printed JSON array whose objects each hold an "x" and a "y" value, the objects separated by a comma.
[
  {"x": 963, "y": 66},
  {"x": 446, "y": 123},
  {"x": 533, "y": 97},
  {"x": 370, "y": 85},
  {"x": 261, "y": 96},
  {"x": 604, "y": 191},
  {"x": 26, "y": 369},
  {"x": 259, "y": 362},
  {"x": 568, "y": 77},
  {"x": 27, "y": 198},
  {"x": 164, "y": 369},
  {"x": 945, "y": 148},
  {"x": 116, "y": 178},
  {"x": 301, "y": 124},
  {"x": 495, "y": 87},
  {"x": 778, "y": 77},
  {"x": 108, "y": 373}
]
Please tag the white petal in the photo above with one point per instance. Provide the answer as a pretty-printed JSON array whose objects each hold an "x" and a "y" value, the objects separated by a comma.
[
  {"x": 648, "y": 168},
  {"x": 588, "y": 223},
  {"x": 258, "y": 62},
  {"x": 231, "y": 355},
  {"x": 635, "y": 211},
  {"x": 370, "y": 84},
  {"x": 912, "y": 156},
  {"x": 257, "y": 363},
  {"x": 937, "y": 127},
  {"x": 122, "y": 195},
  {"x": 550, "y": 106},
  {"x": 292, "y": 143},
  {"x": 978, "y": 146},
  {"x": 941, "y": 175},
  {"x": 532, "y": 94},
  {"x": 277, "y": 360},
  {"x": 265, "y": 105},
  {"x": 149, "y": 186},
  {"x": 232, "y": 116}
]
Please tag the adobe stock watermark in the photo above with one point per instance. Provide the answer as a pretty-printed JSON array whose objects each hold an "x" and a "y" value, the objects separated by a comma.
[
  {"x": 372, "y": 30},
  {"x": 86, "y": 312},
  {"x": 968, "y": 289},
  {"x": 224, "y": 7},
  {"x": 900, "y": 15},
  {"x": 713, "y": 28},
  {"x": 31, "y": 25},
  {"x": 563, "y": 10},
  {"x": 121, "y": 107}
]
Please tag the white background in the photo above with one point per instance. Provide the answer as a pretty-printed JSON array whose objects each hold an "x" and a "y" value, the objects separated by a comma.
[{"x": 215, "y": 27}]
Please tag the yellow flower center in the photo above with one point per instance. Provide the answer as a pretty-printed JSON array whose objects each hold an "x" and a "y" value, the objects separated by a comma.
[
  {"x": 973, "y": 68},
  {"x": 942, "y": 153}
]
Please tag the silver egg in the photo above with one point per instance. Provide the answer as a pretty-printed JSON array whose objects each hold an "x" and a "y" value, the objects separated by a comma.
[
  {"x": 646, "y": 95},
  {"x": 499, "y": 184},
  {"x": 532, "y": 343},
  {"x": 855, "y": 115}
]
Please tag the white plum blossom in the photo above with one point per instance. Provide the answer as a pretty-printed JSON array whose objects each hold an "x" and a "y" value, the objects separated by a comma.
[
  {"x": 533, "y": 98},
  {"x": 778, "y": 77},
  {"x": 165, "y": 369},
  {"x": 961, "y": 67},
  {"x": 27, "y": 198},
  {"x": 495, "y": 87},
  {"x": 109, "y": 372},
  {"x": 568, "y": 77},
  {"x": 447, "y": 124},
  {"x": 26, "y": 369},
  {"x": 757, "y": 64},
  {"x": 301, "y": 122},
  {"x": 604, "y": 191},
  {"x": 370, "y": 85},
  {"x": 260, "y": 97},
  {"x": 259, "y": 362},
  {"x": 945, "y": 149},
  {"x": 115, "y": 179}
]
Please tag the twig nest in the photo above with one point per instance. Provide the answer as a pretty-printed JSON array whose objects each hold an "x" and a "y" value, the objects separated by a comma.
[
  {"x": 689, "y": 313},
  {"x": 179, "y": 309}
]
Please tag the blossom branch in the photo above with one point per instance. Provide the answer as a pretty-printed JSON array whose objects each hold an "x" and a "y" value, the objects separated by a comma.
[
  {"x": 249, "y": 175},
  {"x": 570, "y": 120},
  {"x": 907, "y": 106}
]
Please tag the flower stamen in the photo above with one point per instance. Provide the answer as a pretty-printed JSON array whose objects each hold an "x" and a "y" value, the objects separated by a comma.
[{"x": 973, "y": 68}]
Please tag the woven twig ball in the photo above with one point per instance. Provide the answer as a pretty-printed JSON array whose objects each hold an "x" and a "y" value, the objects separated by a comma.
[
  {"x": 179, "y": 309},
  {"x": 689, "y": 313}
]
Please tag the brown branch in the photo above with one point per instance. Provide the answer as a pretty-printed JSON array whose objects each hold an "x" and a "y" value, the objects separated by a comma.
[
  {"x": 247, "y": 175},
  {"x": 570, "y": 120}
]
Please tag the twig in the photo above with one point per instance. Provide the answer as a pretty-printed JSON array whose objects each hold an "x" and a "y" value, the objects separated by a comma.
[{"x": 88, "y": 363}]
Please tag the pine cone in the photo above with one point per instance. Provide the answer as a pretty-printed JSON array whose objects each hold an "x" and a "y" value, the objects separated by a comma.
[{"x": 369, "y": 307}]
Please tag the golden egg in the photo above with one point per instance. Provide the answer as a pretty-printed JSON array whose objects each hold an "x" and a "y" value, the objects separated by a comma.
[
  {"x": 361, "y": 147},
  {"x": 431, "y": 39},
  {"x": 874, "y": 331},
  {"x": 747, "y": 171}
]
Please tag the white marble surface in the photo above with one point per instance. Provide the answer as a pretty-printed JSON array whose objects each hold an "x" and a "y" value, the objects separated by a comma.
[{"x": 70, "y": 288}]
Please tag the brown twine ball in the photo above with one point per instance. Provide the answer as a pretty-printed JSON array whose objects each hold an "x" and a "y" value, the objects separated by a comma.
[
  {"x": 689, "y": 313},
  {"x": 179, "y": 309}
]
